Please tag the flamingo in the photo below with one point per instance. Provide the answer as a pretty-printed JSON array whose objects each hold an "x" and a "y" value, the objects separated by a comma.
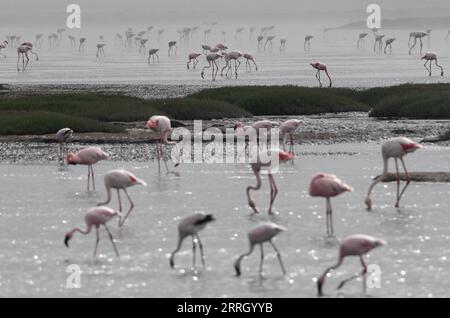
[
  {"x": 190, "y": 226},
  {"x": 307, "y": 44},
  {"x": 430, "y": 57},
  {"x": 256, "y": 168},
  {"x": 82, "y": 44},
  {"x": 87, "y": 156},
  {"x": 261, "y": 234},
  {"x": 39, "y": 39},
  {"x": 151, "y": 54},
  {"x": 379, "y": 40},
  {"x": 361, "y": 40},
  {"x": 120, "y": 180},
  {"x": 352, "y": 245},
  {"x": 95, "y": 217},
  {"x": 258, "y": 126},
  {"x": 328, "y": 186},
  {"x": 282, "y": 44},
  {"x": 172, "y": 47},
  {"x": 142, "y": 47},
  {"x": 72, "y": 40},
  {"x": 395, "y": 148},
  {"x": 3, "y": 45},
  {"x": 212, "y": 58},
  {"x": 260, "y": 39},
  {"x": 161, "y": 125},
  {"x": 62, "y": 137},
  {"x": 388, "y": 42},
  {"x": 100, "y": 50},
  {"x": 229, "y": 57},
  {"x": 428, "y": 32},
  {"x": 249, "y": 57},
  {"x": 416, "y": 35},
  {"x": 193, "y": 57},
  {"x": 320, "y": 67},
  {"x": 237, "y": 35},
  {"x": 23, "y": 51},
  {"x": 250, "y": 33},
  {"x": 221, "y": 47},
  {"x": 205, "y": 48},
  {"x": 119, "y": 39},
  {"x": 287, "y": 129},
  {"x": 269, "y": 40}
]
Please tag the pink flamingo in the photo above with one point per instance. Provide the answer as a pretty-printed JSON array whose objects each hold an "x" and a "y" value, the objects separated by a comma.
[
  {"x": 256, "y": 168},
  {"x": 287, "y": 130},
  {"x": 95, "y": 217},
  {"x": 282, "y": 44},
  {"x": 3, "y": 45},
  {"x": 229, "y": 57},
  {"x": 214, "y": 50},
  {"x": 321, "y": 67},
  {"x": 205, "y": 48},
  {"x": 430, "y": 57},
  {"x": 388, "y": 42},
  {"x": 260, "y": 234},
  {"x": 361, "y": 40},
  {"x": 395, "y": 148},
  {"x": 161, "y": 125},
  {"x": 269, "y": 40},
  {"x": 100, "y": 50},
  {"x": 82, "y": 44},
  {"x": 327, "y": 186},
  {"x": 416, "y": 35},
  {"x": 151, "y": 54},
  {"x": 172, "y": 47},
  {"x": 260, "y": 39},
  {"x": 258, "y": 127},
  {"x": 23, "y": 51},
  {"x": 307, "y": 44},
  {"x": 120, "y": 180},
  {"x": 379, "y": 40},
  {"x": 249, "y": 57},
  {"x": 193, "y": 57},
  {"x": 62, "y": 137},
  {"x": 87, "y": 156},
  {"x": 212, "y": 58},
  {"x": 190, "y": 226},
  {"x": 352, "y": 245}
]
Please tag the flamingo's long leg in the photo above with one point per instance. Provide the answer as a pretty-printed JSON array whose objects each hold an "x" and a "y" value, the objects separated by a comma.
[
  {"x": 273, "y": 191},
  {"x": 398, "y": 183},
  {"x": 330, "y": 213},
  {"x": 442, "y": 69},
  {"x": 193, "y": 251},
  {"x": 278, "y": 256},
  {"x": 89, "y": 178},
  {"x": 162, "y": 155},
  {"x": 96, "y": 241},
  {"x": 130, "y": 209},
  {"x": 262, "y": 260},
  {"x": 93, "y": 178},
  {"x": 408, "y": 180},
  {"x": 202, "y": 255},
  {"x": 111, "y": 239},
  {"x": 362, "y": 273}
]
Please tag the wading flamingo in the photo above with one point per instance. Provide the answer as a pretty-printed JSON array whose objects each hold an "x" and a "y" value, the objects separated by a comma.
[
  {"x": 100, "y": 50},
  {"x": 269, "y": 40},
  {"x": 82, "y": 44},
  {"x": 361, "y": 40},
  {"x": 87, "y": 156},
  {"x": 172, "y": 48},
  {"x": 379, "y": 41},
  {"x": 395, "y": 148},
  {"x": 249, "y": 57},
  {"x": 279, "y": 156},
  {"x": 282, "y": 45},
  {"x": 321, "y": 67},
  {"x": 287, "y": 129},
  {"x": 63, "y": 136},
  {"x": 352, "y": 245},
  {"x": 3, "y": 46},
  {"x": 142, "y": 46},
  {"x": 193, "y": 57},
  {"x": 151, "y": 54},
  {"x": 212, "y": 58},
  {"x": 190, "y": 226},
  {"x": 95, "y": 217},
  {"x": 327, "y": 186},
  {"x": 221, "y": 47},
  {"x": 260, "y": 39},
  {"x": 22, "y": 51},
  {"x": 415, "y": 36},
  {"x": 307, "y": 44},
  {"x": 430, "y": 57},
  {"x": 161, "y": 125},
  {"x": 388, "y": 42},
  {"x": 72, "y": 40},
  {"x": 205, "y": 48},
  {"x": 261, "y": 234},
  {"x": 120, "y": 180},
  {"x": 229, "y": 57}
]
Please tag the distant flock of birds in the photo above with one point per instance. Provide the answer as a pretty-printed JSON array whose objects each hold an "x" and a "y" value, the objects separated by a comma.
[
  {"x": 322, "y": 185},
  {"x": 214, "y": 53}
]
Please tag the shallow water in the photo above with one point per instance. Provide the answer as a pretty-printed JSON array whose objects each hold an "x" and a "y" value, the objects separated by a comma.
[
  {"x": 39, "y": 204},
  {"x": 348, "y": 66}
]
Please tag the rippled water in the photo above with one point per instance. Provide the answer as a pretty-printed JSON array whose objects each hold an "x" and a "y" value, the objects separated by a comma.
[{"x": 39, "y": 204}]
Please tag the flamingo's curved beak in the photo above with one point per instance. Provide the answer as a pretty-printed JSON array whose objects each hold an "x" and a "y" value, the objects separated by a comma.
[{"x": 66, "y": 240}]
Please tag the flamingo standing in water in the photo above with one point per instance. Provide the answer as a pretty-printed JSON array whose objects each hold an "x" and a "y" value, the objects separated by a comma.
[
  {"x": 72, "y": 40},
  {"x": 352, "y": 245},
  {"x": 287, "y": 130},
  {"x": 321, "y": 67},
  {"x": 415, "y": 36},
  {"x": 151, "y": 54},
  {"x": 249, "y": 57},
  {"x": 96, "y": 217},
  {"x": 172, "y": 47},
  {"x": 193, "y": 57},
  {"x": 206, "y": 48},
  {"x": 3, "y": 46},
  {"x": 190, "y": 226},
  {"x": 327, "y": 186},
  {"x": 379, "y": 40},
  {"x": 395, "y": 148},
  {"x": 82, "y": 44},
  {"x": 100, "y": 50},
  {"x": 388, "y": 42},
  {"x": 87, "y": 156},
  {"x": 229, "y": 57},
  {"x": 307, "y": 44},
  {"x": 161, "y": 125},
  {"x": 260, "y": 39},
  {"x": 261, "y": 234},
  {"x": 430, "y": 57},
  {"x": 22, "y": 51},
  {"x": 63, "y": 136},
  {"x": 283, "y": 45},
  {"x": 257, "y": 165},
  {"x": 361, "y": 40},
  {"x": 212, "y": 58},
  {"x": 120, "y": 180},
  {"x": 269, "y": 40}
]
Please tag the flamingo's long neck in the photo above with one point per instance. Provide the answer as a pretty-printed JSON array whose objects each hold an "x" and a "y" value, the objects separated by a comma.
[
  {"x": 380, "y": 177},
  {"x": 84, "y": 232},
  {"x": 180, "y": 242},
  {"x": 258, "y": 184},
  {"x": 321, "y": 279},
  {"x": 165, "y": 136},
  {"x": 237, "y": 264},
  {"x": 108, "y": 199}
]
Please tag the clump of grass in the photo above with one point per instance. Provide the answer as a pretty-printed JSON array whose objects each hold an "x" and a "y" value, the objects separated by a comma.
[
  {"x": 40, "y": 123},
  {"x": 286, "y": 100},
  {"x": 445, "y": 136}
]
